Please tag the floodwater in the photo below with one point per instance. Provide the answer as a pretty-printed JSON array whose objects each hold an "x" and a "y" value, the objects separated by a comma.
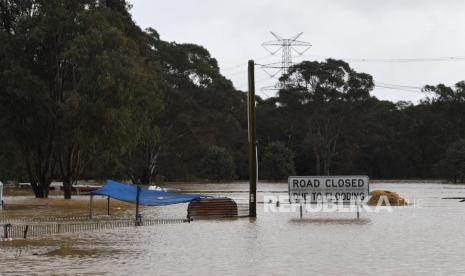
[{"x": 428, "y": 238}]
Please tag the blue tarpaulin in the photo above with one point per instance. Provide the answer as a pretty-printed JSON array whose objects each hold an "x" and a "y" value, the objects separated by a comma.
[{"x": 128, "y": 193}]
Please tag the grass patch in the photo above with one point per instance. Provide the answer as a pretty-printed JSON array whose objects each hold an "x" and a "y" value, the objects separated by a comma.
[{"x": 29, "y": 207}]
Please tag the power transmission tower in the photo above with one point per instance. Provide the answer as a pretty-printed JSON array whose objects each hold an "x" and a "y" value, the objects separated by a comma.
[{"x": 287, "y": 46}]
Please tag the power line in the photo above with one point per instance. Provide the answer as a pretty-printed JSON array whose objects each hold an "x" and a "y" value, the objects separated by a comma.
[
  {"x": 406, "y": 88},
  {"x": 389, "y": 60},
  {"x": 398, "y": 88},
  {"x": 392, "y": 60},
  {"x": 396, "y": 60},
  {"x": 399, "y": 85},
  {"x": 391, "y": 86},
  {"x": 257, "y": 81},
  {"x": 436, "y": 59},
  {"x": 244, "y": 64}
]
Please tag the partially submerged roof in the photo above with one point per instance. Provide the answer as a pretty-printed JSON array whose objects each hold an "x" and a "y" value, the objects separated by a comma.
[{"x": 128, "y": 193}]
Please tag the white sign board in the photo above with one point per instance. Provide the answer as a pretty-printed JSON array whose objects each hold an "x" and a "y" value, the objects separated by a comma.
[{"x": 315, "y": 189}]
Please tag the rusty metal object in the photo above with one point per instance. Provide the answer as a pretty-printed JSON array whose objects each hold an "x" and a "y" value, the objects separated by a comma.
[{"x": 212, "y": 208}]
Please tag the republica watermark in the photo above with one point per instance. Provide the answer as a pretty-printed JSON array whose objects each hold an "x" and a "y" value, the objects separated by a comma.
[{"x": 283, "y": 204}]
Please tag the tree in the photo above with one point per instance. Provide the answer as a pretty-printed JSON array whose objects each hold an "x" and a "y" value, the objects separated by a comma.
[
  {"x": 217, "y": 164},
  {"x": 29, "y": 75},
  {"x": 201, "y": 108},
  {"x": 141, "y": 161},
  {"x": 452, "y": 165},
  {"x": 75, "y": 81},
  {"x": 86, "y": 93},
  {"x": 277, "y": 163},
  {"x": 326, "y": 94},
  {"x": 112, "y": 94}
]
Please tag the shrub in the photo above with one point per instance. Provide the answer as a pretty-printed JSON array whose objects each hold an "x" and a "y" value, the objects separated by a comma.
[
  {"x": 217, "y": 164},
  {"x": 277, "y": 162},
  {"x": 452, "y": 165}
]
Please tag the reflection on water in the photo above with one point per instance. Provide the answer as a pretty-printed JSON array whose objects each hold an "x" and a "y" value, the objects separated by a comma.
[{"x": 408, "y": 241}]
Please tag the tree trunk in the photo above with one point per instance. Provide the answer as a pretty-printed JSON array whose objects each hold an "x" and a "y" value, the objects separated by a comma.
[
  {"x": 325, "y": 166},
  {"x": 45, "y": 189},
  {"x": 142, "y": 171},
  {"x": 70, "y": 164},
  {"x": 37, "y": 189},
  {"x": 317, "y": 160},
  {"x": 145, "y": 180},
  {"x": 40, "y": 188},
  {"x": 67, "y": 188}
]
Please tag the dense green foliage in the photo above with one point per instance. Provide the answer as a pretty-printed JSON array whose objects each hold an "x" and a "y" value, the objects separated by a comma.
[
  {"x": 453, "y": 164},
  {"x": 85, "y": 93},
  {"x": 217, "y": 164},
  {"x": 334, "y": 126},
  {"x": 277, "y": 162}
]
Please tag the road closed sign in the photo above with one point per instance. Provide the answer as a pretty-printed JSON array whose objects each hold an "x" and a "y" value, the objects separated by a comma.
[{"x": 315, "y": 189}]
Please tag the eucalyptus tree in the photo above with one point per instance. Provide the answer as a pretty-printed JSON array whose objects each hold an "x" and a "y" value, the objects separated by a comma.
[
  {"x": 116, "y": 92},
  {"x": 201, "y": 108},
  {"x": 32, "y": 42},
  {"x": 327, "y": 95},
  {"x": 71, "y": 80}
]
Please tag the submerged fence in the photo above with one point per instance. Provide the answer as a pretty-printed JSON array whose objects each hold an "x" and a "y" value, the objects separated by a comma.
[
  {"x": 24, "y": 230},
  {"x": 16, "y": 220}
]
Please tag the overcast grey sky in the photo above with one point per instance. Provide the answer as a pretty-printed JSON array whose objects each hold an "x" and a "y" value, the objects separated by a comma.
[{"x": 233, "y": 32}]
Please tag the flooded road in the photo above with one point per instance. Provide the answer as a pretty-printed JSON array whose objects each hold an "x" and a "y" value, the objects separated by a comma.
[{"x": 408, "y": 241}]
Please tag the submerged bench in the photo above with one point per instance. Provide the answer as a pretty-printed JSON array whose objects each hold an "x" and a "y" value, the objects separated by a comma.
[{"x": 212, "y": 208}]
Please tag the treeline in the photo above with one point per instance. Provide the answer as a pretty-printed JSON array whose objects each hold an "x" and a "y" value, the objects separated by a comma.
[
  {"x": 85, "y": 93},
  {"x": 327, "y": 117}
]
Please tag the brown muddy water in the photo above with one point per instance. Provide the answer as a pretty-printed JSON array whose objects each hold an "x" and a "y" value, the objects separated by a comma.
[{"x": 429, "y": 239}]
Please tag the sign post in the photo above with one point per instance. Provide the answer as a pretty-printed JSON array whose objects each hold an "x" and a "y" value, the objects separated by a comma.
[{"x": 350, "y": 189}]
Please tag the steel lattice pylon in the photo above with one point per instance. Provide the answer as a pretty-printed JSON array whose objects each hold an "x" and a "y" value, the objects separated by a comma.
[{"x": 287, "y": 46}]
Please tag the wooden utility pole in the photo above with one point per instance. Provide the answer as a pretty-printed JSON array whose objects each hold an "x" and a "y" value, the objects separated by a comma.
[{"x": 252, "y": 142}]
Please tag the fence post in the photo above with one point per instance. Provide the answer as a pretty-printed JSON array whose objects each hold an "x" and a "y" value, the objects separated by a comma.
[
  {"x": 25, "y": 231},
  {"x": 90, "y": 207},
  {"x": 7, "y": 231},
  {"x": 108, "y": 205},
  {"x": 138, "y": 218}
]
